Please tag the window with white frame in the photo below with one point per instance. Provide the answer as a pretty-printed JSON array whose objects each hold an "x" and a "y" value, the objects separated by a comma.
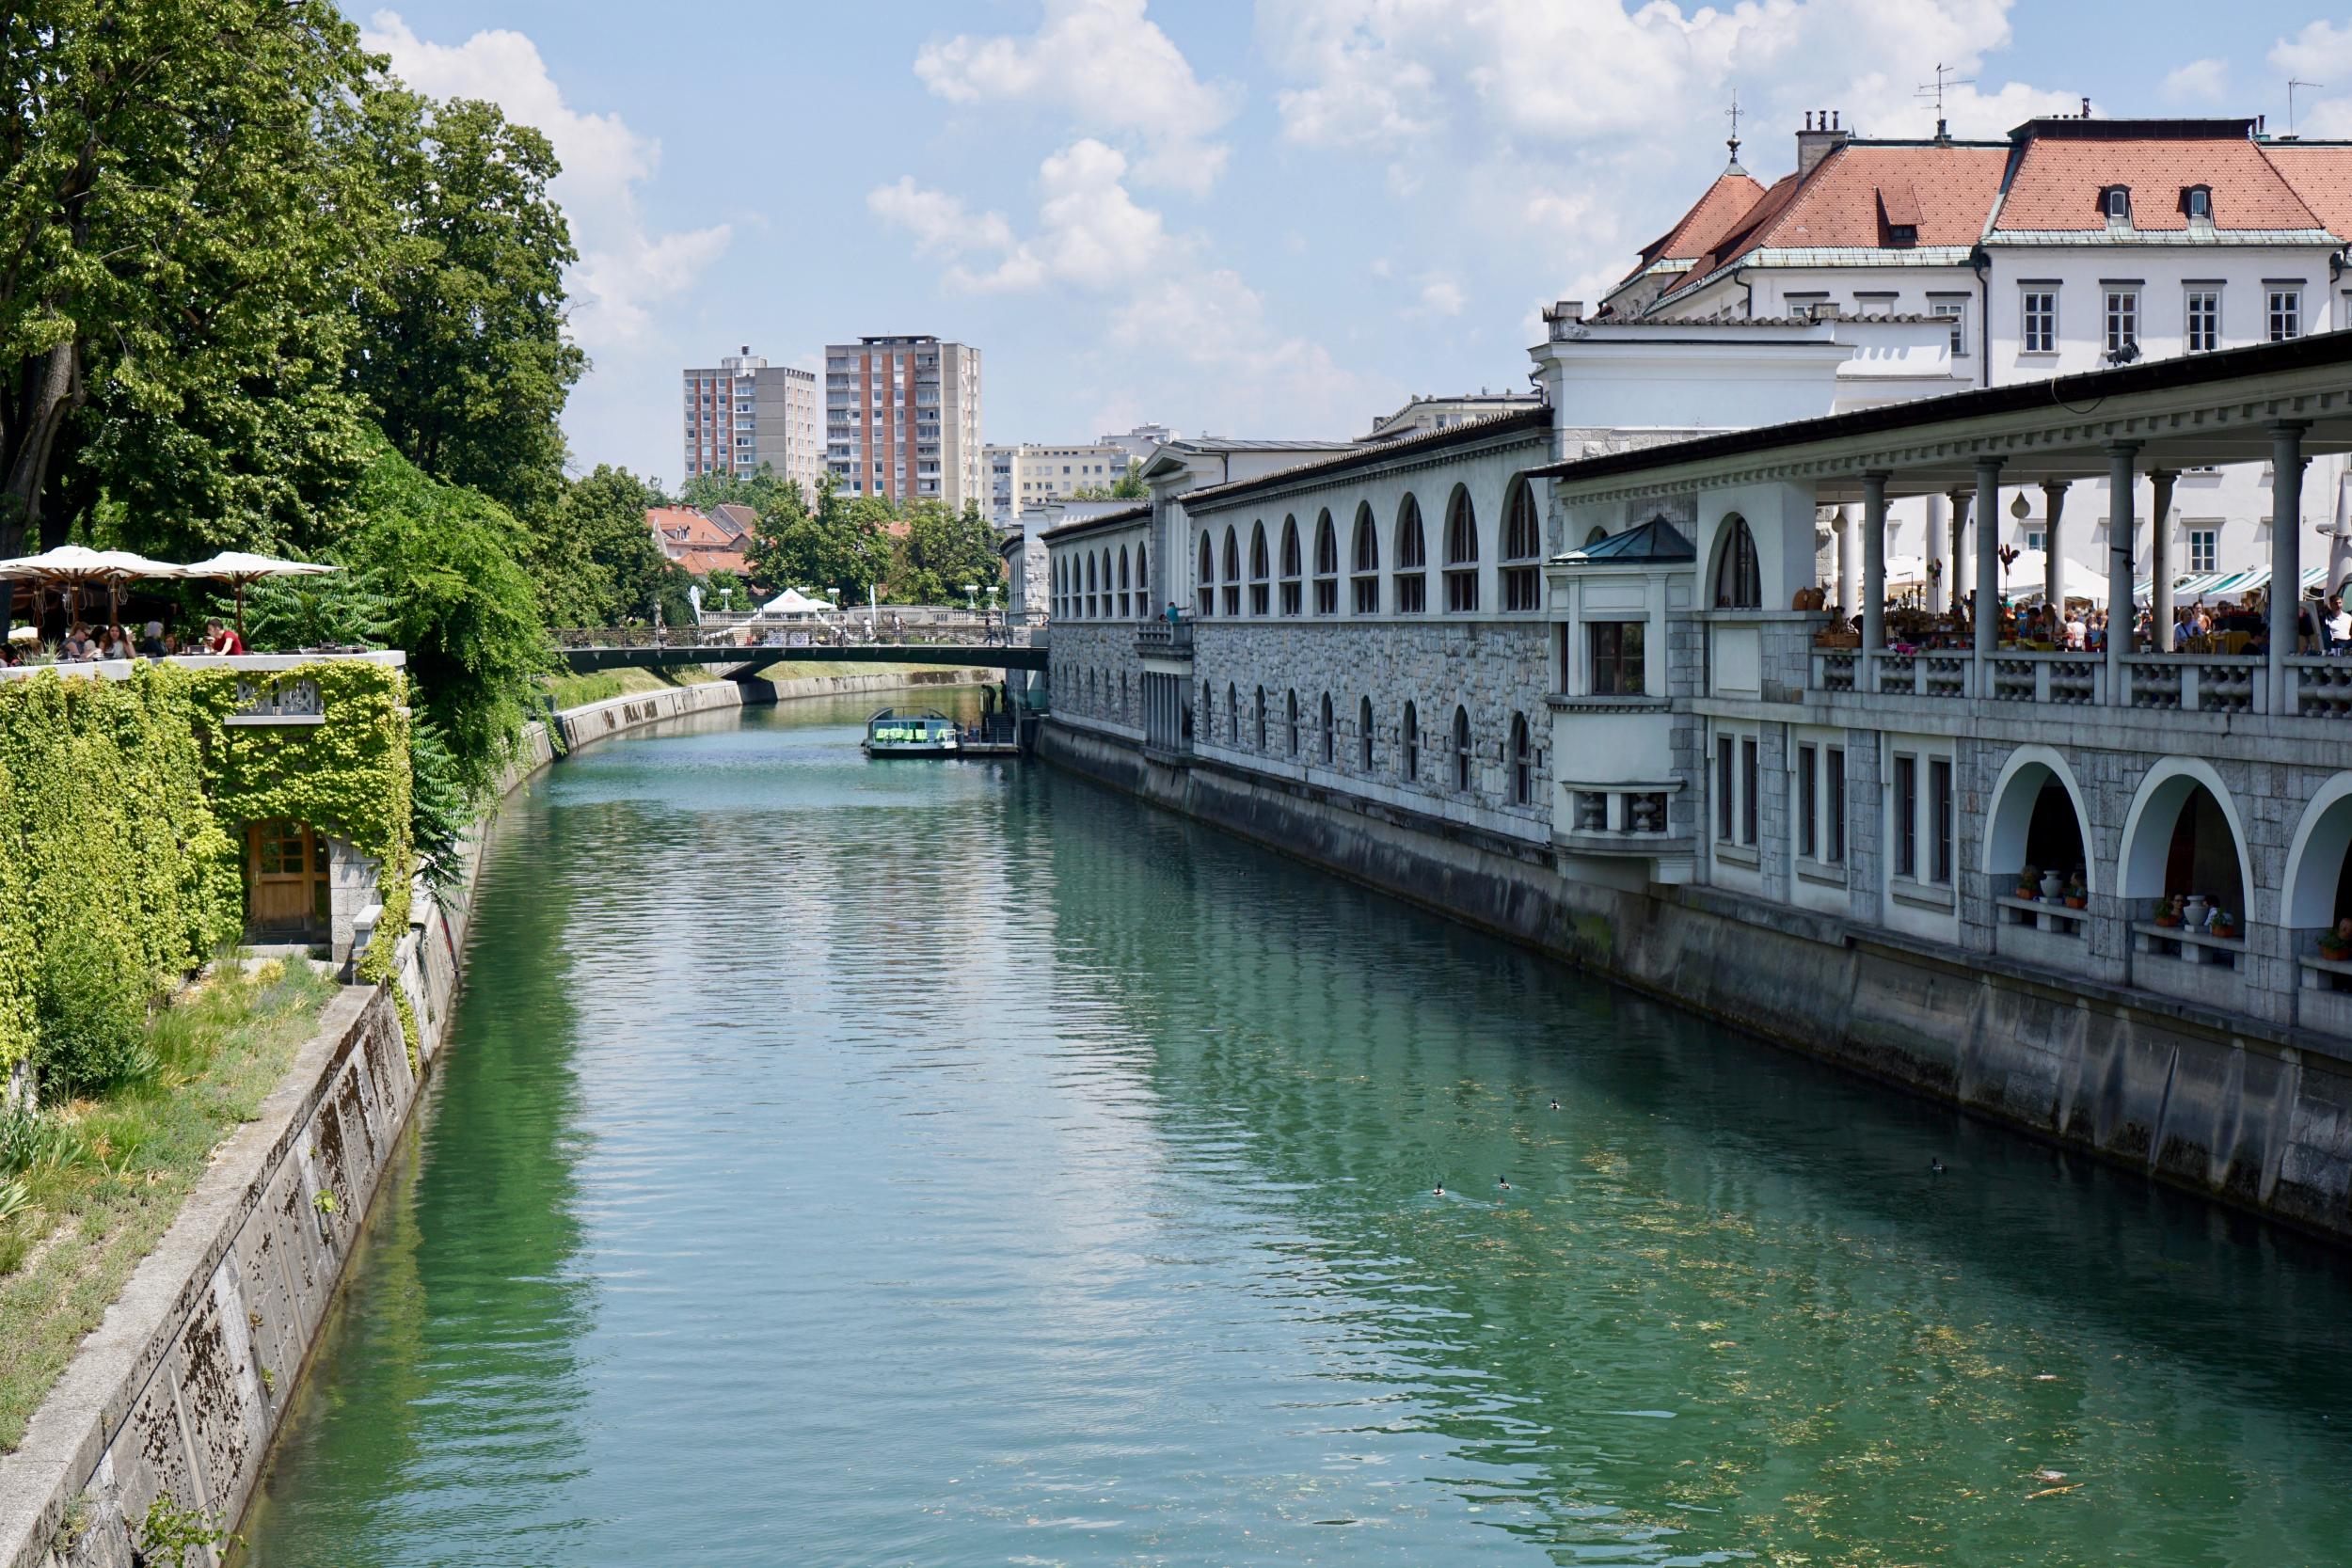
[
  {"x": 2204, "y": 319},
  {"x": 1617, "y": 657},
  {"x": 1955, "y": 311},
  {"x": 1735, "y": 790},
  {"x": 2285, "y": 313},
  {"x": 1725, "y": 805},
  {"x": 1906, "y": 804},
  {"x": 2200, "y": 204},
  {"x": 2205, "y": 550},
  {"x": 2038, "y": 328},
  {"x": 1940, "y": 822},
  {"x": 2122, "y": 319},
  {"x": 2037, "y": 539},
  {"x": 1820, "y": 811}
]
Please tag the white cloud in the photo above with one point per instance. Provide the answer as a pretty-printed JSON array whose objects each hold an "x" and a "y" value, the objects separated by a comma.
[
  {"x": 2322, "y": 52},
  {"x": 1210, "y": 322},
  {"x": 1440, "y": 295},
  {"x": 624, "y": 269},
  {"x": 1113, "y": 73},
  {"x": 2205, "y": 81},
  {"x": 1092, "y": 233}
]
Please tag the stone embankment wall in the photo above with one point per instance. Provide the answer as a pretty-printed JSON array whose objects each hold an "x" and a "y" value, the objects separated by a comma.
[
  {"x": 2235, "y": 1109},
  {"x": 617, "y": 715},
  {"x": 182, "y": 1384}
]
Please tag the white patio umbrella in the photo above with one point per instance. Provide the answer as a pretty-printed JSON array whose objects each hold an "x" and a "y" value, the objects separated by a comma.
[
  {"x": 75, "y": 566},
  {"x": 2340, "y": 537},
  {"x": 239, "y": 568}
]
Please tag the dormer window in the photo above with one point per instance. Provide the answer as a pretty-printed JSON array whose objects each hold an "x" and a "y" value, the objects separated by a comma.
[
  {"x": 2199, "y": 202},
  {"x": 1902, "y": 233},
  {"x": 2118, "y": 200}
]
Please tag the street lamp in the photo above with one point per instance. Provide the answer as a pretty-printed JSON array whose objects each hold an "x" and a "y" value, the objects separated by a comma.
[{"x": 971, "y": 597}]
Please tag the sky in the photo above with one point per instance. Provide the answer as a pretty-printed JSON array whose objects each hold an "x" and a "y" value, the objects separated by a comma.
[{"x": 1281, "y": 218}]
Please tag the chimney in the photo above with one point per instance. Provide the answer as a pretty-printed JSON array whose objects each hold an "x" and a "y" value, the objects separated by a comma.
[
  {"x": 2085, "y": 108},
  {"x": 1822, "y": 137},
  {"x": 746, "y": 351}
]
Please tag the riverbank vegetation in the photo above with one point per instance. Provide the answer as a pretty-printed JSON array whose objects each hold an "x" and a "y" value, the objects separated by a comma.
[{"x": 87, "y": 1185}]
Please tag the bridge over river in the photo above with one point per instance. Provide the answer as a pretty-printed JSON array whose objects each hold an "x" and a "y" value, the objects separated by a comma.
[{"x": 740, "y": 653}]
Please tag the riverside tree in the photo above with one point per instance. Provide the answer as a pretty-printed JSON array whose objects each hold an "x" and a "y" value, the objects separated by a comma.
[
  {"x": 942, "y": 551},
  {"x": 184, "y": 214}
]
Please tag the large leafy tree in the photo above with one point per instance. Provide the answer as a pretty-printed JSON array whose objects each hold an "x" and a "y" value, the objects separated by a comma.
[
  {"x": 837, "y": 543},
  {"x": 180, "y": 214},
  {"x": 461, "y": 351},
  {"x": 598, "y": 565},
  {"x": 942, "y": 551}
]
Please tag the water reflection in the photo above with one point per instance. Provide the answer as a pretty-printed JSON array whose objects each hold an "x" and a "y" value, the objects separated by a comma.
[{"x": 845, "y": 1162}]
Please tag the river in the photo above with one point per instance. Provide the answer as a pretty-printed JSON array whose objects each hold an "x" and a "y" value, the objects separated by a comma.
[{"x": 939, "y": 1163}]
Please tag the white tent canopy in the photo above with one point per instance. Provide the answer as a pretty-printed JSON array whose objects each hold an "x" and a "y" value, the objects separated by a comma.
[
  {"x": 2026, "y": 575},
  {"x": 80, "y": 563},
  {"x": 794, "y": 603},
  {"x": 240, "y": 567}
]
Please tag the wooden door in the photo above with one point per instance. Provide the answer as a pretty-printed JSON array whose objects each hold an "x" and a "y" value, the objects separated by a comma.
[{"x": 285, "y": 877}]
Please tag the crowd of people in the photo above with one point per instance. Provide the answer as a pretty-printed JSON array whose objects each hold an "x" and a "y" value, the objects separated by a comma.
[
  {"x": 2239, "y": 626},
  {"x": 84, "y": 644}
]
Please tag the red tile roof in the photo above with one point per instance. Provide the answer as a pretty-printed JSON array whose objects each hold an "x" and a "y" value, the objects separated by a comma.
[
  {"x": 702, "y": 563},
  {"x": 2320, "y": 174},
  {"x": 1726, "y": 202},
  {"x": 684, "y": 526},
  {"x": 2059, "y": 181}
]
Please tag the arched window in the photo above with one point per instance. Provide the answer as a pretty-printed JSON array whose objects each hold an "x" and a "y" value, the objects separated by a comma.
[
  {"x": 1327, "y": 565},
  {"x": 1738, "y": 585},
  {"x": 1261, "y": 586},
  {"x": 1143, "y": 583},
  {"x": 1330, "y": 742},
  {"x": 1462, "y": 771},
  {"x": 1290, "y": 720},
  {"x": 1126, "y": 606},
  {"x": 1106, "y": 583},
  {"x": 1413, "y": 562},
  {"x": 1232, "y": 714},
  {"x": 1522, "y": 544},
  {"x": 1595, "y": 536},
  {"x": 1292, "y": 593},
  {"x": 1259, "y": 717},
  {"x": 1123, "y": 694},
  {"x": 1364, "y": 732},
  {"x": 1208, "y": 711},
  {"x": 1365, "y": 560},
  {"x": 1408, "y": 744},
  {"x": 1091, "y": 595},
  {"x": 1233, "y": 573},
  {"x": 1058, "y": 574},
  {"x": 1204, "y": 588},
  {"x": 1522, "y": 763},
  {"x": 1461, "y": 554}
]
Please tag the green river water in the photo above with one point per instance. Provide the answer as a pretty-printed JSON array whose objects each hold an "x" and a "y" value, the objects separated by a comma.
[{"x": 927, "y": 1162}]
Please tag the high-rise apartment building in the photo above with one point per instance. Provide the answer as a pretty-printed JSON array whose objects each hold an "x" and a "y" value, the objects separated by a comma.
[
  {"x": 744, "y": 412},
  {"x": 902, "y": 418}
]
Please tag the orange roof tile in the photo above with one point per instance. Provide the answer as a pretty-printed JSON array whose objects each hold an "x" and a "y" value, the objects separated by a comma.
[
  {"x": 2059, "y": 181},
  {"x": 2320, "y": 174},
  {"x": 1847, "y": 202},
  {"x": 1724, "y": 203}
]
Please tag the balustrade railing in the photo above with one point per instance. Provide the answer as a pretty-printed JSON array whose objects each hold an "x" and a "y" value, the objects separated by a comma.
[{"x": 2323, "y": 687}]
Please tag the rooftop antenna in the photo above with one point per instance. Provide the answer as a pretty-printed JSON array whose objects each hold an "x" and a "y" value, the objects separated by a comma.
[
  {"x": 2292, "y": 84},
  {"x": 1934, "y": 89},
  {"x": 1733, "y": 141}
]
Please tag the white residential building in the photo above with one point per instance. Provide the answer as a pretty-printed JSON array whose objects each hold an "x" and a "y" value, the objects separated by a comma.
[
  {"x": 744, "y": 412},
  {"x": 1026, "y": 476},
  {"x": 1939, "y": 264}
]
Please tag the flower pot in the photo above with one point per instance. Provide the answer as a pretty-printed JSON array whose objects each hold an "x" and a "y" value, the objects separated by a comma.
[
  {"x": 2169, "y": 920},
  {"x": 2076, "y": 903}
]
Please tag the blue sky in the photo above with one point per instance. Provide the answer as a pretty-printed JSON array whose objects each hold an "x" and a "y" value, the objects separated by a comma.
[{"x": 1276, "y": 219}]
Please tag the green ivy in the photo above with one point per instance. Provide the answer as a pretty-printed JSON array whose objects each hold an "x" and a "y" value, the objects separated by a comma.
[{"x": 123, "y": 806}]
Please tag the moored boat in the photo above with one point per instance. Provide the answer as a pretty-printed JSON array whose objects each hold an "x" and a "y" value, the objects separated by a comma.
[{"x": 912, "y": 732}]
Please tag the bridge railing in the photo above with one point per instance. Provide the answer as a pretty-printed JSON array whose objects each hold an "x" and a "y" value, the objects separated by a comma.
[{"x": 884, "y": 629}]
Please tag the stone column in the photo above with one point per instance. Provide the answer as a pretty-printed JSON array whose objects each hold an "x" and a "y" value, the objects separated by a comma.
[
  {"x": 2053, "y": 552},
  {"x": 1931, "y": 547},
  {"x": 2120, "y": 568},
  {"x": 1988, "y": 628},
  {"x": 2160, "y": 561},
  {"x": 1849, "y": 534},
  {"x": 1873, "y": 574},
  {"x": 1955, "y": 565},
  {"x": 2286, "y": 550}
]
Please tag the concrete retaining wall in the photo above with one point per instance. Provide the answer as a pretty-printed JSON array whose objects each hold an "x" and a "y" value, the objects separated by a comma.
[{"x": 2232, "y": 1108}]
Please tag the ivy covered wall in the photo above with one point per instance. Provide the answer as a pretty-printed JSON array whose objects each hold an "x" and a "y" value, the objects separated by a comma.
[{"x": 122, "y": 810}]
